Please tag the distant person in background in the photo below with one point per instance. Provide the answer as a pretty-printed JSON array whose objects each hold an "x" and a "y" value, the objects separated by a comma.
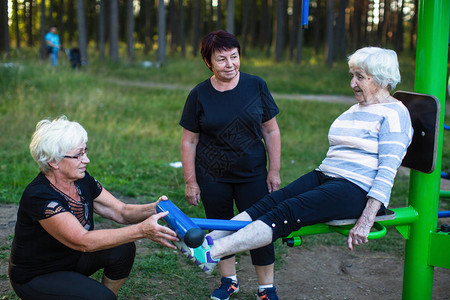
[
  {"x": 229, "y": 133},
  {"x": 53, "y": 46}
]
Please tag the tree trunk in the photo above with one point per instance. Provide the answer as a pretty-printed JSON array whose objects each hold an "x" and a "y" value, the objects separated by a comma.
[
  {"x": 280, "y": 29},
  {"x": 161, "y": 32},
  {"x": 61, "y": 26},
  {"x": 182, "y": 29},
  {"x": 114, "y": 30},
  {"x": 317, "y": 28},
  {"x": 16, "y": 24},
  {"x": 82, "y": 34},
  {"x": 219, "y": 15},
  {"x": 293, "y": 32},
  {"x": 101, "y": 30},
  {"x": 299, "y": 30},
  {"x": 264, "y": 28},
  {"x": 51, "y": 20},
  {"x": 245, "y": 26},
  {"x": 357, "y": 24},
  {"x": 399, "y": 31},
  {"x": 28, "y": 15},
  {"x": 149, "y": 5},
  {"x": 341, "y": 39},
  {"x": 210, "y": 26},
  {"x": 196, "y": 27},
  {"x": 43, "y": 48},
  {"x": 330, "y": 50},
  {"x": 70, "y": 21},
  {"x": 230, "y": 16},
  {"x": 130, "y": 31},
  {"x": 173, "y": 26},
  {"x": 4, "y": 39},
  {"x": 412, "y": 42}
]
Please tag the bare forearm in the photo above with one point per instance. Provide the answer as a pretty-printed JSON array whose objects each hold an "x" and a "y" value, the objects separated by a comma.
[
  {"x": 273, "y": 145},
  {"x": 101, "y": 239},
  {"x": 134, "y": 213},
  {"x": 369, "y": 213},
  {"x": 188, "y": 162}
]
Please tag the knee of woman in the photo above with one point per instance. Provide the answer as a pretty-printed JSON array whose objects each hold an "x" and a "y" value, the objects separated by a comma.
[{"x": 130, "y": 250}]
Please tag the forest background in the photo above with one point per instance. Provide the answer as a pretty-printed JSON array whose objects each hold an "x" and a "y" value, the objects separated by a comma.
[
  {"x": 140, "y": 59},
  {"x": 167, "y": 27}
]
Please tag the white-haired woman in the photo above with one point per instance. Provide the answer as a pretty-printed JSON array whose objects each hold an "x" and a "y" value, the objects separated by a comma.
[
  {"x": 367, "y": 145},
  {"x": 55, "y": 247}
]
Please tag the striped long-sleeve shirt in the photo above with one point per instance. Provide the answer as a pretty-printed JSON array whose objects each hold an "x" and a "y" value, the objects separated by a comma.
[{"x": 367, "y": 145}]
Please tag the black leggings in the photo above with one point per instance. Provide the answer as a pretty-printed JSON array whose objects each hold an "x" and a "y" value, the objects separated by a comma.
[
  {"x": 217, "y": 198},
  {"x": 312, "y": 198},
  {"x": 71, "y": 285}
]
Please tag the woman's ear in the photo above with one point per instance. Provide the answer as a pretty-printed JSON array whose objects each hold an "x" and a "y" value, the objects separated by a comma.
[
  {"x": 54, "y": 165},
  {"x": 207, "y": 64}
]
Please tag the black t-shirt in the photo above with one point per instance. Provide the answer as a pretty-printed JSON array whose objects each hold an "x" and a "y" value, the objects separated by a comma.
[
  {"x": 34, "y": 251},
  {"x": 230, "y": 147}
]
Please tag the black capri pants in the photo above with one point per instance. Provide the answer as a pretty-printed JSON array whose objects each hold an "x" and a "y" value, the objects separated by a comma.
[
  {"x": 311, "y": 199},
  {"x": 76, "y": 285},
  {"x": 217, "y": 198}
]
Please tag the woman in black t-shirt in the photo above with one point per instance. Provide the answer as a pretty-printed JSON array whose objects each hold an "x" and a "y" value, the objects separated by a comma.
[
  {"x": 229, "y": 128},
  {"x": 55, "y": 247}
]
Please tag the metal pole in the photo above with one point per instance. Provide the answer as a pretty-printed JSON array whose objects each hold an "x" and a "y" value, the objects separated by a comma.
[{"x": 430, "y": 78}]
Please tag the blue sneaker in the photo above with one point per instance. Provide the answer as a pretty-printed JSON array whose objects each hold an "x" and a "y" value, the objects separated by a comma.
[
  {"x": 268, "y": 294},
  {"x": 227, "y": 288},
  {"x": 201, "y": 255}
]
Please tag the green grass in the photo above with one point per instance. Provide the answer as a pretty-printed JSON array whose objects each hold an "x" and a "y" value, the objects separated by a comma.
[{"x": 134, "y": 135}]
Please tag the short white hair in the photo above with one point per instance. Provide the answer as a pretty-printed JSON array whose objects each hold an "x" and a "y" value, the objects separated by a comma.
[
  {"x": 53, "y": 139},
  {"x": 380, "y": 63}
]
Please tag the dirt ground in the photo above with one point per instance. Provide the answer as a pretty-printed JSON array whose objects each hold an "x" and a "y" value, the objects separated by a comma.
[{"x": 317, "y": 273}]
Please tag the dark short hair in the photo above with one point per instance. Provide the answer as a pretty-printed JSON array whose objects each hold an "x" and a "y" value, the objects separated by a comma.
[{"x": 217, "y": 41}]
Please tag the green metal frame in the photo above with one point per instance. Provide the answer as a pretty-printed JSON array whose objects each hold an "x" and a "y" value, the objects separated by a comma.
[{"x": 425, "y": 247}]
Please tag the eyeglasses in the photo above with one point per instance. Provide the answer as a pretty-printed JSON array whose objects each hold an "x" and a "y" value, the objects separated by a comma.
[{"x": 79, "y": 156}]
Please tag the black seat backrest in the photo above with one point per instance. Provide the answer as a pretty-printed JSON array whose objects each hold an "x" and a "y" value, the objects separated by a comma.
[{"x": 424, "y": 111}]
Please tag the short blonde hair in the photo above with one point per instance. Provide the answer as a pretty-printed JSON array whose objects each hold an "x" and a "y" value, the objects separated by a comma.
[
  {"x": 53, "y": 139},
  {"x": 380, "y": 63}
]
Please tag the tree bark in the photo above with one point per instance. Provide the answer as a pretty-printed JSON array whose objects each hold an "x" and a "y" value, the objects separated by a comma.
[
  {"x": 245, "y": 26},
  {"x": 330, "y": 46},
  {"x": 399, "y": 29},
  {"x": 182, "y": 29},
  {"x": 149, "y": 5},
  {"x": 43, "y": 48},
  {"x": 341, "y": 38},
  {"x": 130, "y": 31},
  {"x": 300, "y": 36},
  {"x": 61, "y": 26},
  {"x": 101, "y": 30},
  {"x": 82, "y": 33},
  {"x": 4, "y": 39},
  {"x": 70, "y": 21},
  {"x": 293, "y": 32},
  {"x": 317, "y": 28},
  {"x": 230, "y": 16},
  {"x": 161, "y": 32},
  {"x": 114, "y": 30},
  {"x": 196, "y": 27},
  {"x": 16, "y": 24},
  {"x": 280, "y": 29}
]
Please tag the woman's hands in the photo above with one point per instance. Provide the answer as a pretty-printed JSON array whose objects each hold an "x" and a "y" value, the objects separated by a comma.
[
  {"x": 192, "y": 194},
  {"x": 359, "y": 233},
  {"x": 273, "y": 181},
  {"x": 158, "y": 233}
]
